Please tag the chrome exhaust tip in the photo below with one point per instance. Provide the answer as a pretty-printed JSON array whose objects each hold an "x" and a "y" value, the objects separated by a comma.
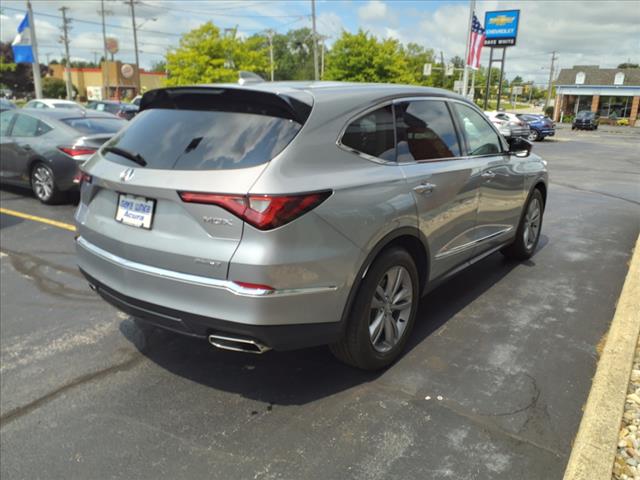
[{"x": 236, "y": 344}]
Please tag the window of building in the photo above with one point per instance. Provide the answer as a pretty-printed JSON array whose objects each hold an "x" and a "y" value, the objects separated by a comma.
[
  {"x": 425, "y": 131},
  {"x": 580, "y": 76},
  {"x": 619, "y": 79},
  {"x": 372, "y": 134},
  {"x": 481, "y": 137}
]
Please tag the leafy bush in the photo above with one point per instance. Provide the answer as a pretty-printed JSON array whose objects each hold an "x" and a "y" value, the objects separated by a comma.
[
  {"x": 623, "y": 122},
  {"x": 568, "y": 118},
  {"x": 55, "y": 88},
  {"x": 549, "y": 111}
]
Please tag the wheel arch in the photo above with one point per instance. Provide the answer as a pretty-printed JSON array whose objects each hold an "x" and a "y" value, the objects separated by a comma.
[{"x": 409, "y": 238}]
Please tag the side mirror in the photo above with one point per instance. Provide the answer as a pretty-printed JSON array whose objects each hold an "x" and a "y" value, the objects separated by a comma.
[{"x": 519, "y": 147}]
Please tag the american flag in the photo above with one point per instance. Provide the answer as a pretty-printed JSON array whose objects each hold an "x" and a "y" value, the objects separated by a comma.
[{"x": 476, "y": 41}]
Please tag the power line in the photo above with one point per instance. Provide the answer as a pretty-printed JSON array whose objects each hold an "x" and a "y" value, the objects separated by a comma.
[{"x": 200, "y": 12}]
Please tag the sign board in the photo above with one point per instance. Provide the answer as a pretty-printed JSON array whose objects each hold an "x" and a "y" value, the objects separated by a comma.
[
  {"x": 501, "y": 28},
  {"x": 457, "y": 86},
  {"x": 517, "y": 90},
  {"x": 449, "y": 70},
  {"x": 94, "y": 93},
  {"x": 126, "y": 70},
  {"x": 112, "y": 45},
  {"x": 426, "y": 69}
]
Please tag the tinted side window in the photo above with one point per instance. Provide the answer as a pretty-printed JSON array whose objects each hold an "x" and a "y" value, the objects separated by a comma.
[
  {"x": 372, "y": 134},
  {"x": 425, "y": 131},
  {"x": 26, "y": 126},
  {"x": 482, "y": 139},
  {"x": 5, "y": 121}
]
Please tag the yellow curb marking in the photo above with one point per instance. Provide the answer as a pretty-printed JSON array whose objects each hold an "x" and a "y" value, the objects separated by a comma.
[
  {"x": 596, "y": 443},
  {"x": 53, "y": 223}
]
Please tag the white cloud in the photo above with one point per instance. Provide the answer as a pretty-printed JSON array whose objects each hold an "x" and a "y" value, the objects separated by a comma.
[{"x": 372, "y": 11}]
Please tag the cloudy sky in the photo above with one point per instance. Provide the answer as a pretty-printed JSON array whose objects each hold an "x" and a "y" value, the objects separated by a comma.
[{"x": 589, "y": 32}]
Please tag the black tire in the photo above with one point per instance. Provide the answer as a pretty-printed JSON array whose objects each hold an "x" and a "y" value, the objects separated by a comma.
[
  {"x": 596, "y": 127},
  {"x": 573, "y": 128},
  {"x": 523, "y": 247},
  {"x": 356, "y": 348},
  {"x": 43, "y": 184},
  {"x": 533, "y": 136}
]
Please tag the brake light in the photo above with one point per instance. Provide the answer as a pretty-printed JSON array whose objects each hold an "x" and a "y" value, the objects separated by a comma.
[
  {"x": 265, "y": 212},
  {"x": 77, "y": 151},
  {"x": 82, "y": 177}
]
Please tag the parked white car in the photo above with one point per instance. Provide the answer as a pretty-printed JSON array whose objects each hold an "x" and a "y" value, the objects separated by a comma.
[
  {"x": 508, "y": 124},
  {"x": 44, "y": 103}
]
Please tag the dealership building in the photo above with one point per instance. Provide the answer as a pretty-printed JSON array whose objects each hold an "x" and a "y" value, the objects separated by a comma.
[
  {"x": 612, "y": 92},
  {"x": 121, "y": 78}
]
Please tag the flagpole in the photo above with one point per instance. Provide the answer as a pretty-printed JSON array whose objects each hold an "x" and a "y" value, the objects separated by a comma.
[
  {"x": 37, "y": 83},
  {"x": 465, "y": 76}
]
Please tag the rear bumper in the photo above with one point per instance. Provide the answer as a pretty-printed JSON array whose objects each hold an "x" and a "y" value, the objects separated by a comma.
[
  {"x": 199, "y": 306},
  {"x": 277, "y": 337}
]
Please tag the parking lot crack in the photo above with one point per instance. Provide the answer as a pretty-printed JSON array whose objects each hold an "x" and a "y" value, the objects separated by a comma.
[
  {"x": 23, "y": 410},
  {"x": 596, "y": 192}
]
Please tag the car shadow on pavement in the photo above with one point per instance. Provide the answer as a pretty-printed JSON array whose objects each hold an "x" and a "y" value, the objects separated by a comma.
[{"x": 302, "y": 376}]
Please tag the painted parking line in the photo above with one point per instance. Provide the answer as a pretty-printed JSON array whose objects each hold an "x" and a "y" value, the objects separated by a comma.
[{"x": 35, "y": 218}]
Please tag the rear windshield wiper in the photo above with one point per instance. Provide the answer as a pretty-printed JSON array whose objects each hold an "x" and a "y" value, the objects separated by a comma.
[{"x": 134, "y": 157}]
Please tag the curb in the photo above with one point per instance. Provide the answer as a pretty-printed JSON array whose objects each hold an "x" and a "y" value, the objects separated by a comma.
[{"x": 595, "y": 444}]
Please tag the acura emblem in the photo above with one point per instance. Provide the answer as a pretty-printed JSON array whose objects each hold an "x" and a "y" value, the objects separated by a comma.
[{"x": 127, "y": 174}]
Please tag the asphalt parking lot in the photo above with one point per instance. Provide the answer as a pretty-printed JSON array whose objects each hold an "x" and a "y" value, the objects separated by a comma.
[{"x": 492, "y": 386}]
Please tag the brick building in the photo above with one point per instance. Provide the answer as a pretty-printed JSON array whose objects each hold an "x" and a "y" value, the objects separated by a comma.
[
  {"x": 90, "y": 81},
  {"x": 612, "y": 92}
]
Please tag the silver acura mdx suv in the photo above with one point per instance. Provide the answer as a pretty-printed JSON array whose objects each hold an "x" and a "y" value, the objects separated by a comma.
[{"x": 287, "y": 215}]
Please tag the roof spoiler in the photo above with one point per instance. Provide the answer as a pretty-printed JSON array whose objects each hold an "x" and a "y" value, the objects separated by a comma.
[{"x": 227, "y": 99}]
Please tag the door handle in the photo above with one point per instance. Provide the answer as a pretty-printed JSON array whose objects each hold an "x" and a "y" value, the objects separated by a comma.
[
  {"x": 26, "y": 146},
  {"x": 424, "y": 188},
  {"x": 488, "y": 174}
]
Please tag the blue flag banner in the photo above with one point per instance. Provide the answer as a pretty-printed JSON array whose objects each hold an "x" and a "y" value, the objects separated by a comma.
[{"x": 21, "y": 45}]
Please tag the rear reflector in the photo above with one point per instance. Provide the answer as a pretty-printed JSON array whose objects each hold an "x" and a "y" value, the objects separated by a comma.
[
  {"x": 77, "y": 151},
  {"x": 82, "y": 177},
  {"x": 265, "y": 212},
  {"x": 255, "y": 286}
]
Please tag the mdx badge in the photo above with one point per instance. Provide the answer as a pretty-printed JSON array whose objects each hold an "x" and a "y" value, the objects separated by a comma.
[
  {"x": 127, "y": 174},
  {"x": 218, "y": 221}
]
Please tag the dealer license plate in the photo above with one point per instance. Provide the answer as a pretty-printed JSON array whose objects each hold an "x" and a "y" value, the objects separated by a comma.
[{"x": 135, "y": 211}]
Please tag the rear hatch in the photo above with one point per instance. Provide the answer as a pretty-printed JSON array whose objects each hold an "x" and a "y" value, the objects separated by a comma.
[{"x": 199, "y": 140}]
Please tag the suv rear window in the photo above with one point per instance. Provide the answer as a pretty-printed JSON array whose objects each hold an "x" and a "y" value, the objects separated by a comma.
[{"x": 178, "y": 139}]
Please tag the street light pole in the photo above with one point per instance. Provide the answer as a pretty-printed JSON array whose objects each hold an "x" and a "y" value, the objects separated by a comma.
[
  {"x": 37, "y": 81},
  {"x": 65, "y": 39},
  {"x": 135, "y": 45},
  {"x": 316, "y": 73},
  {"x": 270, "y": 33},
  {"x": 553, "y": 59},
  {"x": 465, "y": 76},
  {"x": 106, "y": 59}
]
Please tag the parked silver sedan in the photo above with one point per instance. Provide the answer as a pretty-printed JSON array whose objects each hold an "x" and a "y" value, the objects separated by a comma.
[
  {"x": 286, "y": 215},
  {"x": 43, "y": 149}
]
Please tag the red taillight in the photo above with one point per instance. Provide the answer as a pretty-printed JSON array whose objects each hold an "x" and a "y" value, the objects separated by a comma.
[
  {"x": 255, "y": 286},
  {"x": 264, "y": 212},
  {"x": 77, "y": 151},
  {"x": 82, "y": 177}
]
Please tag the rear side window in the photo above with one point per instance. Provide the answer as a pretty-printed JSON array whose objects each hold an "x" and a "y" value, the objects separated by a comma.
[
  {"x": 91, "y": 126},
  {"x": 204, "y": 140},
  {"x": 5, "y": 121},
  {"x": 26, "y": 126},
  {"x": 481, "y": 138},
  {"x": 425, "y": 131},
  {"x": 372, "y": 134}
]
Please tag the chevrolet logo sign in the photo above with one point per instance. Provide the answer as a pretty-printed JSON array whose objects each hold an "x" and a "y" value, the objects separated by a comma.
[{"x": 501, "y": 20}]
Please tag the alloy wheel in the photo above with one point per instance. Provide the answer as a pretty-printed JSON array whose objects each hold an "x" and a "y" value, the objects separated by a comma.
[
  {"x": 390, "y": 308},
  {"x": 533, "y": 136},
  {"x": 532, "y": 224},
  {"x": 42, "y": 182}
]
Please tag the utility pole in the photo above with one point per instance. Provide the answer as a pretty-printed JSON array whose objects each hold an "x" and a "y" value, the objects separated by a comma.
[
  {"x": 95, "y": 57},
  {"x": 322, "y": 38},
  {"x": 553, "y": 59},
  {"x": 135, "y": 45},
  {"x": 47, "y": 55},
  {"x": 65, "y": 39},
  {"x": 465, "y": 76},
  {"x": 444, "y": 76},
  {"x": 37, "y": 82},
  {"x": 270, "y": 34},
  {"x": 106, "y": 58},
  {"x": 316, "y": 73}
]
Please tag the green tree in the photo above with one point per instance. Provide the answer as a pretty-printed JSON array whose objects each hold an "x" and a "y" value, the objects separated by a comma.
[
  {"x": 206, "y": 56},
  {"x": 293, "y": 54},
  {"x": 159, "y": 66},
  {"x": 628, "y": 65},
  {"x": 53, "y": 87},
  {"x": 416, "y": 56},
  {"x": 361, "y": 57}
]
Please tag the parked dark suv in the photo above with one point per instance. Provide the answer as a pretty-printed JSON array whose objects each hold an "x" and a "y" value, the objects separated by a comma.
[{"x": 586, "y": 120}]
